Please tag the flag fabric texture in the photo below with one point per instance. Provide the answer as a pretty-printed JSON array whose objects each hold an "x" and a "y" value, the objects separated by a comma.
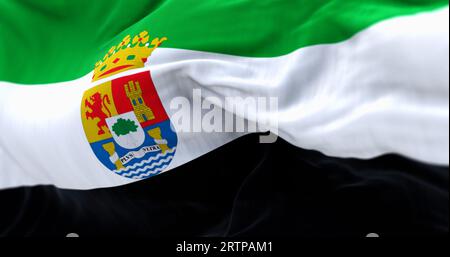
[
  {"x": 254, "y": 195},
  {"x": 87, "y": 89}
]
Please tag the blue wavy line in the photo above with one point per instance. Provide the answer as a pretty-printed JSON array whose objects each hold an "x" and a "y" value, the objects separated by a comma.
[
  {"x": 150, "y": 173},
  {"x": 149, "y": 160},
  {"x": 147, "y": 164},
  {"x": 146, "y": 170}
]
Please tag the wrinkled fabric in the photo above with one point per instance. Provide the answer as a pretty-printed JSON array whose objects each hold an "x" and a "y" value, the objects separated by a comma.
[{"x": 258, "y": 190}]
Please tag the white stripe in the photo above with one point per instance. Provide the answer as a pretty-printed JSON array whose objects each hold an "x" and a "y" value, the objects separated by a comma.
[{"x": 386, "y": 90}]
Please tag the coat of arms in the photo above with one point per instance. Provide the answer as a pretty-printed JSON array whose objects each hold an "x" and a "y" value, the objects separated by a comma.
[{"x": 124, "y": 119}]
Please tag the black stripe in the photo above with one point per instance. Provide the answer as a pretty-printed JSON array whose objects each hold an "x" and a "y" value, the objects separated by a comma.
[{"x": 246, "y": 189}]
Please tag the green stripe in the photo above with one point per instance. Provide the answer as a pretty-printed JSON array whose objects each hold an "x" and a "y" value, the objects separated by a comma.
[{"x": 56, "y": 40}]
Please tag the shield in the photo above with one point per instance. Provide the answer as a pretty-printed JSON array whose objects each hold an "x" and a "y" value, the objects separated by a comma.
[
  {"x": 127, "y": 127},
  {"x": 126, "y": 130}
]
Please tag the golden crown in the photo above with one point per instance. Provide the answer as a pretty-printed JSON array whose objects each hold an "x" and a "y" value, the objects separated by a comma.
[{"x": 128, "y": 54}]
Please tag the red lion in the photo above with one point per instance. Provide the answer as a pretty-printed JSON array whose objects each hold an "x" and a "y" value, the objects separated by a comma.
[{"x": 97, "y": 105}]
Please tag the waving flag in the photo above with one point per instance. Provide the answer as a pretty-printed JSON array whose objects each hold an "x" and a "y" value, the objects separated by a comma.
[{"x": 89, "y": 92}]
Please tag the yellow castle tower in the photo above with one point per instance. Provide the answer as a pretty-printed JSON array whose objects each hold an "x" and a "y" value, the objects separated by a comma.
[{"x": 134, "y": 93}]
